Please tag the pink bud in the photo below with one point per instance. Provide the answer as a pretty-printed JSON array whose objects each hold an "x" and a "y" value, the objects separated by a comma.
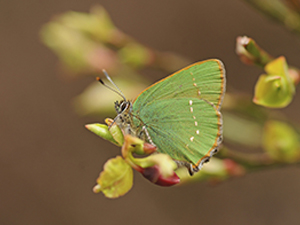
[
  {"x": 153, "y": 174},
  {"x": 233, "y": 168},
  {"x": 148, "y": 148}
]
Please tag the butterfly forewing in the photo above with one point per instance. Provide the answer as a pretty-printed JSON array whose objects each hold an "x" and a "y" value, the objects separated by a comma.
[{"x": 205, "y": 80}]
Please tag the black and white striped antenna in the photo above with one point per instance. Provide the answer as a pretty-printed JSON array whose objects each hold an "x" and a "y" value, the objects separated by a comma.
[{"x": 116, "y": 90}]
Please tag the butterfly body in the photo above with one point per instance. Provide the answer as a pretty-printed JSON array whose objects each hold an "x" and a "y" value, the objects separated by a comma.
[
  {"x": 180, "y": 114},
  {"x": 125, "y": 120}
]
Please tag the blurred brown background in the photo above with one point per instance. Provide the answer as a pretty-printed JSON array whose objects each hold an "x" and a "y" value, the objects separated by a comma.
[{"x": 49, "y": 162}]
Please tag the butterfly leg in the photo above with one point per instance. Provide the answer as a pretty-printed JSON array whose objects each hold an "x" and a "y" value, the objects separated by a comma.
[{"x": 144, "y": 132}]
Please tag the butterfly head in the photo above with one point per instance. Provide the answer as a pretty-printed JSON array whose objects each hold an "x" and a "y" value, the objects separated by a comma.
[{"x": 123, "y": 106}]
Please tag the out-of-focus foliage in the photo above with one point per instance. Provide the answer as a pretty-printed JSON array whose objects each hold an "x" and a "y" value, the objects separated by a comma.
[
  {"x": 281, "y": 142},
  {"x": 92, "y": 102},
  {"x": 286, "y": 12},
  {"x": 87, "y": 43}
]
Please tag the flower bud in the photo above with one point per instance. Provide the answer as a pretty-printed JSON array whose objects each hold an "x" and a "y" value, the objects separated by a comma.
[
  {"x": 250, "y": 53},
  {"x": 114, "y": 134},
  {"x": 281, "y": 141},
  {"x": 275, "y": 89},
  {"x": 155, "y": 175}
]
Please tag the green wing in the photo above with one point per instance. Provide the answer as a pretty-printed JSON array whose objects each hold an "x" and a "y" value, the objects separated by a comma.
[
  {"x": 205, "y": 80},
  {"x": 186, "y": 129},
  {"x": 181, "y": 112}
]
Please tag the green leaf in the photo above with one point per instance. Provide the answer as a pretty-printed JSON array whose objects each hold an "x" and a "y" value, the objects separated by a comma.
[{"x": 116, "y": 179}]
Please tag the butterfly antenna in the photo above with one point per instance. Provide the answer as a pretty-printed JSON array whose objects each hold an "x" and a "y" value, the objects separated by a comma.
[{"x": 118, "y": 91}]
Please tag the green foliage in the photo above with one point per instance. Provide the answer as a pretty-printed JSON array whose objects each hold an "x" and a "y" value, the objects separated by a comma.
[
  {"x": 281, "y": 142},
  {"x": 135, "y": 54},
  {"x": 285, "y": 12}
]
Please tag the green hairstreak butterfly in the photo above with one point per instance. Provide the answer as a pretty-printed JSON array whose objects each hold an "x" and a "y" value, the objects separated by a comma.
[{"x": 180, "y": 114}]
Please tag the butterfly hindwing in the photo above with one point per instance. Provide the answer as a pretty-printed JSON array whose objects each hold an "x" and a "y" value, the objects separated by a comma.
[{"x": 185, "y": 129}]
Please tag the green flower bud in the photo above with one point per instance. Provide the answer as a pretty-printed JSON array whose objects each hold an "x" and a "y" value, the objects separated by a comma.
[
  {"x": 250, "y": 53},
  {"x": 114, "y": 134},
  {"x": 281, "y": 142},
  {"x": 275, "y": 89}
]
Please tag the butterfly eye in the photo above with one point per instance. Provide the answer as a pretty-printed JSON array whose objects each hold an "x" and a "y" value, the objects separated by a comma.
[
  {"x": 120, "y": 106},
  {"x": 123, "y": 106}
]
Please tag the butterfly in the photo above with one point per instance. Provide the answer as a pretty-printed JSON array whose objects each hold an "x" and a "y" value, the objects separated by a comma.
[{"x": 179, "y": 114}]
